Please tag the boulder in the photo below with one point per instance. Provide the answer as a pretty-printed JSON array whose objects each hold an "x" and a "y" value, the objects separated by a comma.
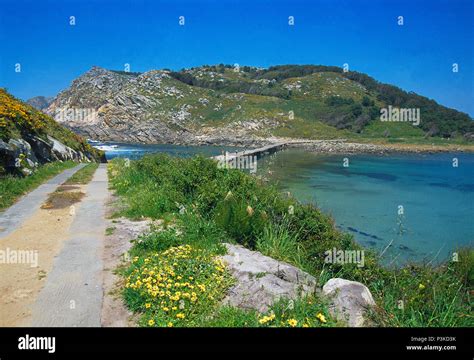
[
  {"x": 63, "y": 152},
  {"x": 41, "y": 148},
  {"x": 349, "y": 301},
  {"x": 23, "y": 147},
  {"x": 12, "y": 152},
  {"x": 5, "y": 147},
  {"x": 261, "y": 280},
  {"x": 7, "y": 156}
]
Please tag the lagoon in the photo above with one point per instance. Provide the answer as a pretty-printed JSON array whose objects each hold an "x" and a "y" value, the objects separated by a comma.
[{"x": 419, "y": 203}]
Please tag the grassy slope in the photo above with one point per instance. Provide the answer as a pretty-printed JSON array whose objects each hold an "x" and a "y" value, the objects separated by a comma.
[
  {"x": 12, "y": 187},
  {"x": 228, "y": 206}
]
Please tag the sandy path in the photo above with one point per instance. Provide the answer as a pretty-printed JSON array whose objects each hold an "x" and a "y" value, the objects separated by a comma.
[
  {"x": 13, "y": 217},
  {"x": 73, "y": 293},
  {"x": 41, "y": 237}
]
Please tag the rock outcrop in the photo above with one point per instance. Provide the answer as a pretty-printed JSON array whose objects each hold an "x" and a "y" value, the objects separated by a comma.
[
  {"x": 28, "y": 138},
  {"x": 349, "y": 301},
  {"x": 24, "y": 155},
  {"x": 261, "y": 280}
]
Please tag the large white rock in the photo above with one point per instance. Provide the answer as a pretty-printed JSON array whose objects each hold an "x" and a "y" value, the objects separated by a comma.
[
  {"x": 349, "y": 301},
  {"x": 261, "y": 280},
  {"x": 61, "y": 151}
]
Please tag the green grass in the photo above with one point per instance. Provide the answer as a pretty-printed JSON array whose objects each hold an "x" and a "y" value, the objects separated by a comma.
[
  {"x": 302, "y": 312},
  {"x": 110, "y": 230},
  {"x": 13, "y": 187},
  {"x": 278, "y": 242},
  {"x": 83, "y": 176},
  {"x": 206, "y": 206}
]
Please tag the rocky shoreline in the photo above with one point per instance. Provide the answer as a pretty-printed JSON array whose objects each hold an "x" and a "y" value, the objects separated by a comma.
[
  {"x": 346, "y": 147},
  {"x": 338, "y": 146}
]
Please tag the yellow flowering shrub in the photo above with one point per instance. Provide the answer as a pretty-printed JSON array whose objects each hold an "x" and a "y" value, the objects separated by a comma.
[
  {"x": 15, "y": 114},
  {"x": 176, "y": 286},
  {"x": 17, "y": 117}
]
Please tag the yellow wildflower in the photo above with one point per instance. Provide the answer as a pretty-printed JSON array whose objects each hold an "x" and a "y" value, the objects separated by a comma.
[
  {"x": 321, "y": 318},
  {"x": 249, "y": 210}
]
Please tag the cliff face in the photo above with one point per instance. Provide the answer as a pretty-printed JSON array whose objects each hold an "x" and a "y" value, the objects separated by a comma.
[
  {"x": 105, "y": 105},
  {"x": 241, "y": 106},
  {"x": 29, "y": 138}
]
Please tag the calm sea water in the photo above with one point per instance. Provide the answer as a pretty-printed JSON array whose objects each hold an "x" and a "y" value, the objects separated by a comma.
[
  {"x": 365, "y": 197},
  {"x": 136, "y": 151}
]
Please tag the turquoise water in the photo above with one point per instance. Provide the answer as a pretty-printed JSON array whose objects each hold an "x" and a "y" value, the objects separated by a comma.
[
  {"x": 364, "y": 198},
  {"x": 136, "y": 151}
]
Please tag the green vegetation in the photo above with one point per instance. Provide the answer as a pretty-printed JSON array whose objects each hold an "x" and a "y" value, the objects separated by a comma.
[
  {"x": 12, "y": 187},
  {"x": 316, "y": 94},
  {"x": 176, "y": 286},
  {"x": 304, "y": 312},
  {"x": 83, "y": 176},
  {"x": 204, "y": 206},
  {"x": 110, "y": 230}
]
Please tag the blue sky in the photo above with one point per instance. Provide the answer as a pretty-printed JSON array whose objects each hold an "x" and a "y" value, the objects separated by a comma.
[{"x": 417, "y": 56}]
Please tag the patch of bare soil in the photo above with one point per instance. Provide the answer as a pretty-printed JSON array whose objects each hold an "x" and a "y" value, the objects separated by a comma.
[{"x": 63, "y": 197}]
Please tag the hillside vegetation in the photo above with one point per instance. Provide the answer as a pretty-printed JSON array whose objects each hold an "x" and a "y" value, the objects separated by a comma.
[{"x": 327, "y": 93}]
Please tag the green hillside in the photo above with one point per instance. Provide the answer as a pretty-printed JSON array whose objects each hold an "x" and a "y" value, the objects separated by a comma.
[{"x": 316, "y": 95}]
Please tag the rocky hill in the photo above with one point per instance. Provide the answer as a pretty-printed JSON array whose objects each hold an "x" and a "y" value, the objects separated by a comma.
[
  {"x": 243, "y": 105},
  {"x": 40, "y": 102},
  {"x": 28, "y": 138}
]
